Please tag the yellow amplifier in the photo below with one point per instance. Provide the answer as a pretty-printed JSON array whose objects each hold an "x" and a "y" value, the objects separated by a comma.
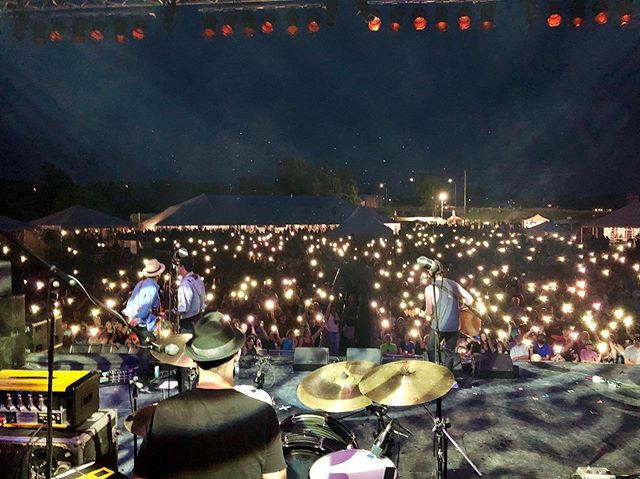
[{"x": 23, "y": 397}]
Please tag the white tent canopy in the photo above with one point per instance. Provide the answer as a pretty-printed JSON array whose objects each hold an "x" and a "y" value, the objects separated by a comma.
[{"x": 535, "y": 220}]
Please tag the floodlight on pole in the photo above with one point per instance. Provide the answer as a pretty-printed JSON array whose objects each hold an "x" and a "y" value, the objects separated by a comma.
[
  {"x": 455, "y": 190},
  {"x": 442, "y": 197}
]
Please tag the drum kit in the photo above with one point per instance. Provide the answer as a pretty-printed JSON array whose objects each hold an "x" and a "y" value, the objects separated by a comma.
[{"x": 319, "y": 446}]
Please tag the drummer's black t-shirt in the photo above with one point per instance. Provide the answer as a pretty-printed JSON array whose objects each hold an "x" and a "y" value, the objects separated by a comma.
[{"x": 204, "y": 433}]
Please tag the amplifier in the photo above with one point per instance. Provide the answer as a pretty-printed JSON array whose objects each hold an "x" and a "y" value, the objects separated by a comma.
[
  {"x": 23, "y": 451},
  {"x": 23, "y": 395}
]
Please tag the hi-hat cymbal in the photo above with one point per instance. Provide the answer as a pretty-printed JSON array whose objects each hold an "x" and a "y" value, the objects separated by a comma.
[
  {"x": 406, "y": 383},
  {"x": 137, "y": 422},
  {"x": 334, "y": 387},
  {"x": 173, "y": 347}
]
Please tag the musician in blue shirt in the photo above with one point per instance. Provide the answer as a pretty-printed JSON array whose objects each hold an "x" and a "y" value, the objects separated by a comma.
[{"x": 144, "y": 303}]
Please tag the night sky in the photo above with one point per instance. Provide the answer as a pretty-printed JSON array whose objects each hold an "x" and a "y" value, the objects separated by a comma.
[{"x": 526, "y": 110}]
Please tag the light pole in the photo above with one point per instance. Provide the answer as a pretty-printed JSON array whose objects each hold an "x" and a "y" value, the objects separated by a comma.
[
  {"x": 455, "y": 191},
  {"x": 384, "y": 198},
  {"x": 442, "y": 197}
]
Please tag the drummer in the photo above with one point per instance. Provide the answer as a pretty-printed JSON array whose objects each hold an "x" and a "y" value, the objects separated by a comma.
[
  {"x": 241, "y": 434},
  {"x": 449, "y": 296}
]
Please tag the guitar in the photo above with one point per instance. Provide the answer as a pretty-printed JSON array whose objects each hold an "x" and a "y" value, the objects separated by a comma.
[{"x": 470, "y": 320}]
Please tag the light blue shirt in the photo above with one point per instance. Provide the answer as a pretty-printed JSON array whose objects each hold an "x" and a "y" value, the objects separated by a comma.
[
  {"x": 191, "y": 296},
  {"x": 144, "y": 298}
]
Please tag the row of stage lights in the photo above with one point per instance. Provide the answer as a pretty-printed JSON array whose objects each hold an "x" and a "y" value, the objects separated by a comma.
[
  {"x": 82, "y": 28},
  {"x": 94, "y": 28},
  {"x": 577, "y": 12},
  {"x": 419, "y": 20}
]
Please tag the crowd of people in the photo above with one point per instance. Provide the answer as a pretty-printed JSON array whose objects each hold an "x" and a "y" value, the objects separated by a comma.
[{"x": 540, "y": 298}]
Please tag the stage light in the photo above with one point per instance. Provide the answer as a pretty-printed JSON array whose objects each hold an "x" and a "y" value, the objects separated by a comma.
[
  {"x": 139, "y": 30},
  {"x": 374, "y": 22},
  {"x": 577, "y": 13},
  {"x": 397, "y": 14},
  {"x": 120, "y": 30},
  {"x": 624, "y": 12},
  {"x": 530, "y": 10},
  {"x": 554, "y": 19},
  {"x": 487, "y": 11},
  {"x": 441, "y": 18},
  {"x": 464, "y": 18},
  {"x": 57, "y": 32},
  {"x": 40, "y": 33},
  {"x": 601, "y": 12},
  {"x": 78, "y": 31},
  {"x": 292, "y": 23},
  {"x": 228, "y": 26},
  {"x": 169, "y": 19},
  {"x": 419, "y": 19},
  {"x": 208, "y": 27},
  {"x": 97, "y": 30},
  {"x": 313, "y": 26},
  {"x": 248, "y": 25},
  {"x": 20, "y": 25},
  {"x": 268, "y": 25}
]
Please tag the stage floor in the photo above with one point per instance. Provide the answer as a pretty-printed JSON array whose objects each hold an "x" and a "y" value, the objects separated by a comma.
[{"x": 544, "y": 424}]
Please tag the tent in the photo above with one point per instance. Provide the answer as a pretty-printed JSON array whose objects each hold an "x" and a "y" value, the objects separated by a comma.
[
  {"x": 621, "y": 225},
  {"x": 81, "y": 217},
  {"x": 535, "y": 220},
  {"x": 363, "y": 222},
  {"x": 221, "y": 211},
  {"x": 549, "y": 228},
  {"x": 454, "y": 219},
  {"x": 9, "y": 225}
]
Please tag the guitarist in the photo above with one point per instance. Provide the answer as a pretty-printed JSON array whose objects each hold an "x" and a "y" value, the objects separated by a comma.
[{"x": 143, "y": 306}]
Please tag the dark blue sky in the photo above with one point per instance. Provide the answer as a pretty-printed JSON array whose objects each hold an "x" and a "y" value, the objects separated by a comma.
[{"x": 526, "y": 110}]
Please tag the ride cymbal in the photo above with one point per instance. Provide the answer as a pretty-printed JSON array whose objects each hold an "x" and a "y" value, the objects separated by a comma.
[
  {"x": 406, "y": 383},
  {"x": 137, "y": 422},
  {"x": 173, "y": 351},
  {"x": 334, "y": 387}
]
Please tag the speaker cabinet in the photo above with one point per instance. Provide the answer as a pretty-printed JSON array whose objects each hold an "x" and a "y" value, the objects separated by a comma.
[
  {"x": 310, "y": 359},
  {"x": 497, "y": 366},
  {"x": 373, "y": 355}
]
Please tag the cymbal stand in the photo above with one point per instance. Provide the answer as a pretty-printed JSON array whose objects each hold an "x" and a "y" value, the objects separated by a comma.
[{"x": 441, "y": 435}]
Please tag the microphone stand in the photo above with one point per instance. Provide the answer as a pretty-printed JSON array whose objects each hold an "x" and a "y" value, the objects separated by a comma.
[
  {"x": 440, "y": 434},
  {"x": 58, "y": 276},
  {"x": 439, "y": 441}
]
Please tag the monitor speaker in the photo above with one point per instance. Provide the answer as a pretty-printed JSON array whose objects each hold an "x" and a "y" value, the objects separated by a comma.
[
  {"x": 310, "y": 359},
  {"x": 498, "y": 366},
  {"x": 373, "y": 355}
]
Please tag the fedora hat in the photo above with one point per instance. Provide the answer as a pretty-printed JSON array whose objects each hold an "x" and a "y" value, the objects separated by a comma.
[
  {"x": 214, "y": 339},
  {"x": 153, "y": 268}
]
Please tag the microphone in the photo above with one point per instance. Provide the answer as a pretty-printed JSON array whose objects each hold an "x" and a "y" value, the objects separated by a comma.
[
  {"x": 432, "y": 265},
  {"x": 381, "y": 441},
  {"x": 180, "y": 253},
  {"x": 168, "y": 349}
]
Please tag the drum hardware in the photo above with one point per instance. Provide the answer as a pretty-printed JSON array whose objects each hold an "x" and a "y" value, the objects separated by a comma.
[
  {"x": 440, "y": 427},
  {"x": 440, "y": 433}
]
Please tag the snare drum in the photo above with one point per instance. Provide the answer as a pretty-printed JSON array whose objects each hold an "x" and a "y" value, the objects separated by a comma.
[
  {"x": 307, "y": 437},
  {"x": 353, "y": 464}
]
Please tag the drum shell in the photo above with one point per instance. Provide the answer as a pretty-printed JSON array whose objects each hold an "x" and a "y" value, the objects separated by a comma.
[{"x": 307, "y": 437}]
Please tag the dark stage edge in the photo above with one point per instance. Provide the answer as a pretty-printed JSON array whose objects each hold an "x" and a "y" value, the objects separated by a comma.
[{"x": 544, "y": 424}]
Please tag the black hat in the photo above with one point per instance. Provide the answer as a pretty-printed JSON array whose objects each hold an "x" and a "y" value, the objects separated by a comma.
[{"x": 213, "y": 339}]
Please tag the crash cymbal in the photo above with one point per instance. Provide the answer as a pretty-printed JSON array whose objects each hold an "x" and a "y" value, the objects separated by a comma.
[
  {"x": 137, "y": 422},
  {"x": 406, "y": 383},
  {"x": 334, "y": 387},
  {"x": 173, "y": 351}
]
